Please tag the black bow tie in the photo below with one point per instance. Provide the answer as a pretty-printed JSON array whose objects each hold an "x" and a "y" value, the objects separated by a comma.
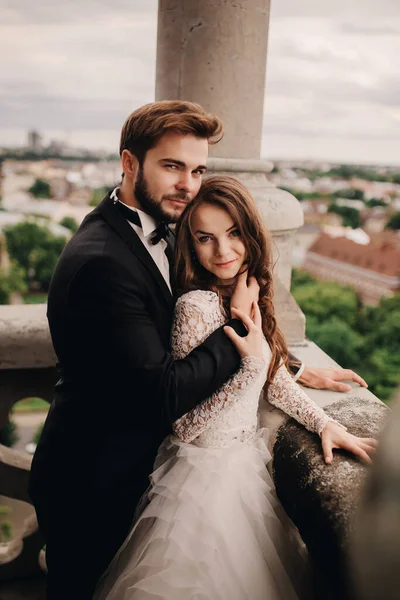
[{"x": 161, "y": 232}]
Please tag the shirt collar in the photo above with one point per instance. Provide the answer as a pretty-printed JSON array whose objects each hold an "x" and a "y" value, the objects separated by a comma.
[{"x": 149, "y": 224}]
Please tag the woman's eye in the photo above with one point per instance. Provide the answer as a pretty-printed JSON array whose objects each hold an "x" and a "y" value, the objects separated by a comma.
[
  {"x": 204, "y": 238},
  {"x": 235, "y": 233}
]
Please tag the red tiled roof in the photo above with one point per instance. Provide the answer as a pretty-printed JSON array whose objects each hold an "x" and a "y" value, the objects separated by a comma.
[{"x": 380, "y": 255}]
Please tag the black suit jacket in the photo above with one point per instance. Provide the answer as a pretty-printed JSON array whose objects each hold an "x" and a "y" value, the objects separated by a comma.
[{"x": 110, "y": 315}]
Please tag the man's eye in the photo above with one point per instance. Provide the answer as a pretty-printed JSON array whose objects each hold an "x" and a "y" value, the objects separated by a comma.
[
  {"x": 172, "y": 167},
  {"x": 235, "y": 233},
  {"x": 198, "y": 173}
]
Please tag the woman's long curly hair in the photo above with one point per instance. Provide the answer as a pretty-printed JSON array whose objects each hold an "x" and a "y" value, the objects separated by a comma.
[{"x": 231, "y": 195}]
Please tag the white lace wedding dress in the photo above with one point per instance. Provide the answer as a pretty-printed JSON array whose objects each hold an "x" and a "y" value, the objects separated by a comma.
[{"x": 210, "y": 526}]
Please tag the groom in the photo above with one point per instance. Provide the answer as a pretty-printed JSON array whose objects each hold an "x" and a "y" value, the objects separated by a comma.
[{"x": 110, "y": 312}]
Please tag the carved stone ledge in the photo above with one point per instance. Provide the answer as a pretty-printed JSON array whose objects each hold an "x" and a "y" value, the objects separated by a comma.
[
  {"x": 21, "y": 557},
  {"x": 320, "y": 498}
]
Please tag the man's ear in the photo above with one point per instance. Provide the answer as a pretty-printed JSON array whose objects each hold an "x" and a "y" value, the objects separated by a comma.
[{"x": 130, "y": 164}]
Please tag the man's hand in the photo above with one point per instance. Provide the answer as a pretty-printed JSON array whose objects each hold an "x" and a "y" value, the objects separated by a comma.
[
  {"x": 330, "y": 379},
  {"x": 245, "y": 294}
]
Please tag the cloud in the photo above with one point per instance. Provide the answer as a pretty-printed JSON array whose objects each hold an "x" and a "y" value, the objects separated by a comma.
[
  {"x": 326, "y": 81},
  {"x": 82, "y": 66}
]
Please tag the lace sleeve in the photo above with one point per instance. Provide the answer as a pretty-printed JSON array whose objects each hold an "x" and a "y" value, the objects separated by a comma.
[
  {"x": 286, "y": 394},
  {"x": 197, "y": 315}
]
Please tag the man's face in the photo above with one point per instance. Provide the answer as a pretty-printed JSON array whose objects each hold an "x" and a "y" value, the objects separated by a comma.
[{"x": 170, "y": 176}]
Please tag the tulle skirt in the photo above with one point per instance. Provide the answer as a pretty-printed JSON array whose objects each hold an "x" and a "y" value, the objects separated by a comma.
[{"x": 210, "y": 528}]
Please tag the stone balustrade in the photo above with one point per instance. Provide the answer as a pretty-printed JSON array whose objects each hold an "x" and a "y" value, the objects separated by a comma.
[
  {"x": 320, "y": 499},
  {"x": 27, "y": 369}
]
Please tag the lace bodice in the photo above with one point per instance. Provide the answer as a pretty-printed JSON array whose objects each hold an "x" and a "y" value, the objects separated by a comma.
[{"x": 230, "y": 414}]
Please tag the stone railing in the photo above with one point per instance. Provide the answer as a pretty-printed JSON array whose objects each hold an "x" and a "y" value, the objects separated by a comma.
[
  {"x": 321, "y": 499},
  {"x": 27, "y": 369}
]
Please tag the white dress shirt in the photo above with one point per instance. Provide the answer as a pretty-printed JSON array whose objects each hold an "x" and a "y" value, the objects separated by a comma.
[{"x": 145, "y": 233}]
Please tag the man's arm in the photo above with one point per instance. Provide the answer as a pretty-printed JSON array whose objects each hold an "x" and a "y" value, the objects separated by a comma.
[{"x": 128, "y": 341}]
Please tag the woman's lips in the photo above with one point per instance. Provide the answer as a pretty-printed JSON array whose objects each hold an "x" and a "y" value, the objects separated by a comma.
[{"x": 225, "y": 265}]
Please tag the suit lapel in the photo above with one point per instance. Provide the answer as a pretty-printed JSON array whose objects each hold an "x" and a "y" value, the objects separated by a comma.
[{"x": 113, "y": 217}]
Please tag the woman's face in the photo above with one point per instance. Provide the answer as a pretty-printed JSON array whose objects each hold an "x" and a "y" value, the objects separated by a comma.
[{"x": 218, "y": 245}]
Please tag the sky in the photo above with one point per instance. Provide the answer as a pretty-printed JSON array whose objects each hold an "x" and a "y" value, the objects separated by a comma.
[{"x": 75, "y": 70}]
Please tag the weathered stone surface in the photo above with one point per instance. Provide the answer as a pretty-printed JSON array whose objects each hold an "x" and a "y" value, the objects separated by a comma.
[
  {"x": 21, "y": 558},
  {"x": 25, "y": 341},
  {"x": 320, "y": 498}
]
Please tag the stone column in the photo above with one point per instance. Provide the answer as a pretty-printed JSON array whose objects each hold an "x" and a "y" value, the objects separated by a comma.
[{"x": 214, "y": 53}]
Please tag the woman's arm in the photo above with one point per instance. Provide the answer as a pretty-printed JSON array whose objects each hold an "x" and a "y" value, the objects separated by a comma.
[
  {"x": 197, "y": 314},
  {"x": 286, "y": 394}
]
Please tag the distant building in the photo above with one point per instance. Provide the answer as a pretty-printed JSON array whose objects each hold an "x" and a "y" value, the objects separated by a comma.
[
  {"x": 369, "y": 264},
  {"x": 35, "y": 141}
]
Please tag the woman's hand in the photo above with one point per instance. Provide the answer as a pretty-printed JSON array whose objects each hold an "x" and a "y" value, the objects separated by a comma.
[
  {"x": 252, "y": 344},
  {"x": 334, "y": 436}
]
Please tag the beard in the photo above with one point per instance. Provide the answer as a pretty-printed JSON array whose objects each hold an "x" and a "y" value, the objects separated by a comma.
[{"x": 151, "y": 205}]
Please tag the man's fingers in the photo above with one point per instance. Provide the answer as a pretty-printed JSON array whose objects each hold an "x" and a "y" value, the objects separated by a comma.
[
  {"x": 336, "y": 386},
  {"x": 348, "y": 375}
]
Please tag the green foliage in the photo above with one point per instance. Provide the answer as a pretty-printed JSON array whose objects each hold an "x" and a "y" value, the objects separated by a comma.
[
  {"x": 361, "y": 337},
  {"x": 5, "y": 532},
  {"x": 336, "y": 338},
  {"x": 40, "y": 189},
  {"x": 351, "y": 216},
  {"x": 31, "y": 405},
  {"x": 98, "y": 195},
  {"x": 8, "y": 434},
  {"x": 394, "y": 221},
  {"x": 4, "y": 510},
  {"x": 324, "y": 300},
  {"x": 300, "y": 277},
  {"x": 70, "y": 223},
  {"x": 36, "y": 250},
  {"x": 350, "y": 194},
  {"x": 37, "y": 434},
  {"x": 35, "y": 298},
  {"x": 372, "y": 202},
  {"x": 14, "y": 280}
]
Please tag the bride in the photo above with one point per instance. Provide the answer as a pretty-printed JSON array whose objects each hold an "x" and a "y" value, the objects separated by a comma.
[{"x": 210, "y": 526}]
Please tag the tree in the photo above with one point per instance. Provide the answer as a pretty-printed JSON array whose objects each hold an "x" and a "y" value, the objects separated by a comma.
[
  {"x": 40, "y": 189},
  {"x": 8, "y": 434},
  {"x": 37, "y": 434},
  {"x": 350, "y": 194},
  {"x": 350, "y": 216},
  {"x": 5, "y": 531},
  {"x": 372, "y": 202},
  {"x": 337, "y": 339},
  {"x": 70, "y": 223},
  {"x": 14, "y": 280},
  {"x": 394, "y": 222},
  {"x": 98, "y": 195},
  {"x": 36, "y": 250},
  {"x": 324, "y": 300}
]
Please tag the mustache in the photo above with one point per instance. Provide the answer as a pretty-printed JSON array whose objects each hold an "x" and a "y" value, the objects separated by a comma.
[{"x": 183, "y": 197}]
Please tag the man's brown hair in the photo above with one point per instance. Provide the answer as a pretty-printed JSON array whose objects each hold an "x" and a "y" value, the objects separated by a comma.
[{"x": 145, "y": 126}]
